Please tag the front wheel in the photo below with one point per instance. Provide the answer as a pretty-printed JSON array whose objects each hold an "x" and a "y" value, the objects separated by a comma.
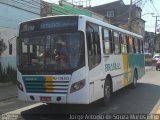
[{"x": 107, "y": 92}]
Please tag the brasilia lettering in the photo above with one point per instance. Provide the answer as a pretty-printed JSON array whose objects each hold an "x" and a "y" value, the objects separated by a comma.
[{"x": 112, "y": 66}]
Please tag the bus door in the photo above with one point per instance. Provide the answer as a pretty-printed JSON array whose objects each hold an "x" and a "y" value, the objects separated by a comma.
[{"x": 94, "y": 60}]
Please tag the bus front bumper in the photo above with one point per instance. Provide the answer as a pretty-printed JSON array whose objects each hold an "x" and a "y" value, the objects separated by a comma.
[{"x": 45, "y": 98}]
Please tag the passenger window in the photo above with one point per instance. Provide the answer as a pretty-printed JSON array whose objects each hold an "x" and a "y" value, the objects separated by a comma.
[
  {"x": 106, "y": 44},
  {"x": 141, "y": 49},
  {"x": 139, "y": 46},
  {"x": 136, "y": 45},
  {"x": 130, "y": 44},
  {"x": 123, "y": 44},
  {"x": 116, "y": 43}
]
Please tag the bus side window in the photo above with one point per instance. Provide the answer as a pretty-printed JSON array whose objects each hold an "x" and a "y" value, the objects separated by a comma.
[
  {"x": 128, "y": 47},
  {"x": 116, "y": 43},
  {"x": 130, "y": 44},
  {"x": 139, "y": 46},
  {"x": 134, "y": 48},
  {"x": 142, "y": 47},
  {"x": 111, "y": 41},
  {"x": 106, "y": 39},
  {"x": 120, "y": 43},
  {"x": 136, "y": 45},
  {"x": 93, "y": 43},
  {"x": 123, "y": 44}
]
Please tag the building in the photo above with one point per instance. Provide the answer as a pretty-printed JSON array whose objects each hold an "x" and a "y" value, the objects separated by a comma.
[
  {"x": 149, "y": 42},
  {"x": 12, "y": 12},
  {"x": 66, "y": 8},
  {"x": 117, "y": 13},
  {"x": 46, "y": 9},
  {"x": 157, "y": 43}
]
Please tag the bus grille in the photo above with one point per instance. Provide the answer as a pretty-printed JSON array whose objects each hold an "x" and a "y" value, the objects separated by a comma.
[{"x": 46, "y": 84}]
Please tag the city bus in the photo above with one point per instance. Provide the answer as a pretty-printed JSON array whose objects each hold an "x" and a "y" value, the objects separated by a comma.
[{"x": 75, "y": 59}]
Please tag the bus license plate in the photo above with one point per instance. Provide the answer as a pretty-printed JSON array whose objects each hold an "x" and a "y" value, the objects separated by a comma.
[{"x": 46, "y": 99}]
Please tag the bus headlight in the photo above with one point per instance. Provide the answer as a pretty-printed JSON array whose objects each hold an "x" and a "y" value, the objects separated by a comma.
[{"x": 77, "y": 86}]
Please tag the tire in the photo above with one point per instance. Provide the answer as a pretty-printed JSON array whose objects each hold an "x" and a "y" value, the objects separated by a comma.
[
  {"x": 135, "y": 78},
  {"x": 107, "y": 92}
]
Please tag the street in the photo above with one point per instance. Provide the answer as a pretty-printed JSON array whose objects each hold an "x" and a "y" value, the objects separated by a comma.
[{"x": 141, "y": 100}]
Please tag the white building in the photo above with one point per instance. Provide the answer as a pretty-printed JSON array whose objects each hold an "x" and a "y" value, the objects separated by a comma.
[{"x": 12, "y": 12}]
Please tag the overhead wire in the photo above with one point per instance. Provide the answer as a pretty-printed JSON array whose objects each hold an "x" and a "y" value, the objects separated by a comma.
[
  {"x": 138, "y": 3},
  {"x": 133, "y": 6},
  {"x": 31, "y": 3},
  {"x": 154, "y": 8},
  {"x": 28, "y": 3}
]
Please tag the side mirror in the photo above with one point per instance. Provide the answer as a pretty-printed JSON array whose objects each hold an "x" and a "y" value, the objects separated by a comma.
[{"x": 10, "y": 49}]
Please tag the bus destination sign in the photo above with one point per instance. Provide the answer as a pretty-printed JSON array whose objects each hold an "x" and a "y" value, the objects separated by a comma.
[
  {"x": 50, "y": 24},
  {"x": 58, "y": 24}
]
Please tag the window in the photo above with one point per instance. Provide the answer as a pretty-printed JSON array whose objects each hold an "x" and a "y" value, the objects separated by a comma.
[
  {"x": 141, "y": 49},
  {"x": 130, "y": 44},
  {"x": 93, "y": 44},
  {"x": 106, "y": 44},
  {"x": 110, "y": 14},
  {"x": 124, "y": 44},
  {"x": 136, "y": 45},
  {"x": 139, "y": 46},
  {"x": 52, "y": 52},
  {"x": 116, "y": 43}
]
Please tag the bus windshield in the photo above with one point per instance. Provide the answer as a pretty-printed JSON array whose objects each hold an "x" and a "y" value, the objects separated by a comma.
[{"x": 44, "y": 54}]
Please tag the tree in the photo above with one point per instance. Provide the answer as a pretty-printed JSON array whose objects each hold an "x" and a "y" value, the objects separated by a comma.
[{"x": 2, "y": 46}]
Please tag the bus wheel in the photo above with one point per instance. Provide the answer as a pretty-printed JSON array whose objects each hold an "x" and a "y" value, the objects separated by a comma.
[
  {"x": 135, "y": 78},
  {"x": 107, "y": 92}
]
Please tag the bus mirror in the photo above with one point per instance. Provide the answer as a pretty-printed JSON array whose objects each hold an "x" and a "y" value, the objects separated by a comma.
[{"x": 10, "y": 49}]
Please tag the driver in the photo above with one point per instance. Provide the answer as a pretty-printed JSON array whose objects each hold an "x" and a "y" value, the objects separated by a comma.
[{"x": 62, "y": 54}]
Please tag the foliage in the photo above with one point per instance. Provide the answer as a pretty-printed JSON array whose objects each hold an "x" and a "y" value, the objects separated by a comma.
[
  {"x": 7, "y": 75},
  {"x": 2, "y": 46}
]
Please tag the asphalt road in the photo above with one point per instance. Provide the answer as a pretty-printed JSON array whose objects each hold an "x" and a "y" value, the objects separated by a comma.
[{"x": 140, "y": 100}]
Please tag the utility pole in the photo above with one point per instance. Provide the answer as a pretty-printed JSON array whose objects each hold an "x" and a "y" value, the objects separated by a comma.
[
  {"x": 130, "y": 14},
  {"x": 155, "y": 38}
]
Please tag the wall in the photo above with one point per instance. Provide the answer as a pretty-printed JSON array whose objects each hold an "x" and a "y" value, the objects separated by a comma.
[{"x": 13, "y": 12}]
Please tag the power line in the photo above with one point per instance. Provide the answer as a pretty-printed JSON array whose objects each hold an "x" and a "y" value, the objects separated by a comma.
[
  {"x": 138, "y": 3},
  {"x": 29, "y": 4},
  {"x": 143, "y": 4},
  {"x": 8, "y": 4},
  {"x": 151, "y": 1}
]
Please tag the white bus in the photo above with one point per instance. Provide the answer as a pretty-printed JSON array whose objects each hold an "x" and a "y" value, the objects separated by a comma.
[{"x": 75, "y": 60}]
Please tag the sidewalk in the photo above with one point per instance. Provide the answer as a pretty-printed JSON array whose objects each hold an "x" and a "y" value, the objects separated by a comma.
[{"x": 7, "y": 92}]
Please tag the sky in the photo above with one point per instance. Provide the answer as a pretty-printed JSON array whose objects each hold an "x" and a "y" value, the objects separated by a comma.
[{"x": 147, "y": 7}]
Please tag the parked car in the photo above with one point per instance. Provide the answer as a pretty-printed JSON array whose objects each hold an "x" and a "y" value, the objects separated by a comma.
[
  {"x": 156, "y": 57},
  {"x": 158, "y": 64}
]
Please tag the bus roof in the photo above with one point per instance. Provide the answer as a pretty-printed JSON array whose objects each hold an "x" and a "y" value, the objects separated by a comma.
[
  {"x": 93, "y": 20},
  {"x": 105, "y": 24}
]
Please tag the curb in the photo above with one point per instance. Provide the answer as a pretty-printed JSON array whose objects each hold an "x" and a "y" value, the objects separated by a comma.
[{"x": 149, "y": 68}]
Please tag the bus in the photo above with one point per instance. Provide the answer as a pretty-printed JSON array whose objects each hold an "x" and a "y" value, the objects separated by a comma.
[{"x": 75, "y": 59}]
